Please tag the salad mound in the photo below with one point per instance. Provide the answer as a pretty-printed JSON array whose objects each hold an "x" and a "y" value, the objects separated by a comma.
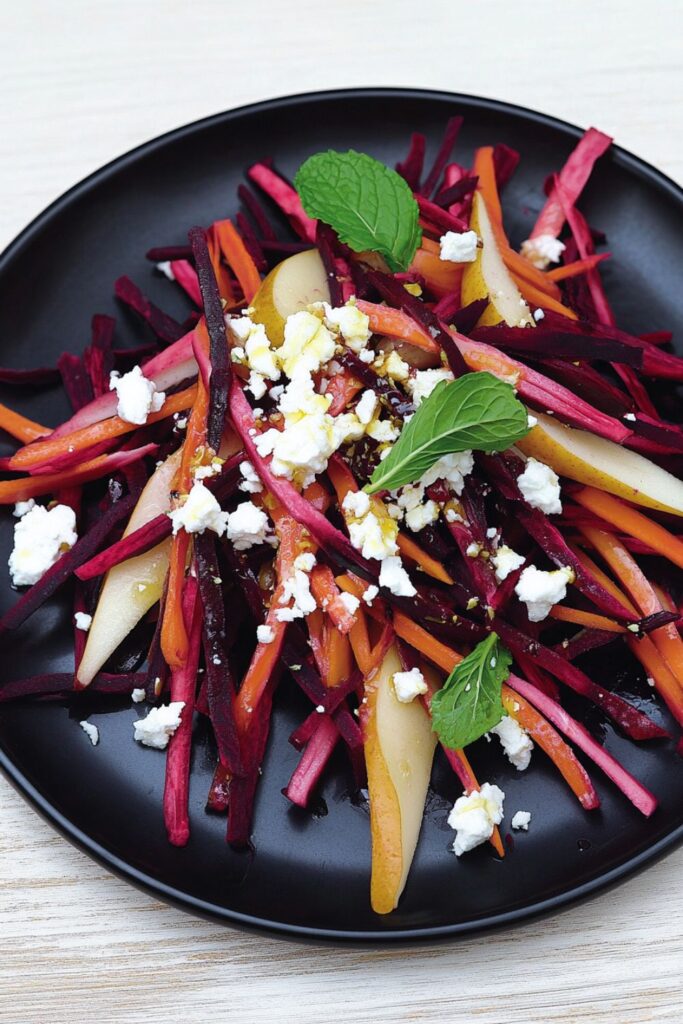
[{"x": 389, "y": 455}]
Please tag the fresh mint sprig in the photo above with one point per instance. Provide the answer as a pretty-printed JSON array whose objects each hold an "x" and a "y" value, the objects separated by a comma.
[
  {"x": 477, "y": 411},
  {"x": 370, "y": 207},
  {"x": 469, "y": 702}
]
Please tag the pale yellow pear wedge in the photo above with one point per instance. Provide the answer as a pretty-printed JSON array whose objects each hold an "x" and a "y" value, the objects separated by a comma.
[
  {"x": 595, "y": 461},
  {"x": 399, "y": 750},
  {"x": 487, "y": 277},
  {"x": 297, "y": 282},
  {"x": 131, "y": 588}
]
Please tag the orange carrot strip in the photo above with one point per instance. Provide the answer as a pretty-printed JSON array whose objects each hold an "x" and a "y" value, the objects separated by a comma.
[
  {"x": 328, "y": 597},
  {"x": 44, "y": 451},
  {"x": 484, "y": 169},
  {"x": 589, "y": 619},
  {"x": 445, "y": 657},
  {"x": 359, "y": 639},
  {"x": 223, "y": 279},
  {"x": 238, "y": 257},
  {"x": 339, "y": 655},
  {"x": 531, "y": 275},
  {"x": 559, "y": 752},
  {"x": 535, "y": 297},
  {"x": 441, "y": 276},
  {"x": 603, "y": 578},
  {"x": 410, "y": 549},
  {"x": 635, "y": 524},
  {"x": 396, "y": 324},
  {"x": 657, "y": 669},
  {"x": 174, "y": 639},
  {"x": 19, "y": 426},
  {"x": 576, "y": 267},
  {"x": 27, "y": 487}
]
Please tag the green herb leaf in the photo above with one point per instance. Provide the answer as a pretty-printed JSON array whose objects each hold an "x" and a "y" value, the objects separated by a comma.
[
  {"x": 369, "y": 206},
  {"x": 476, "y": 411},
  {"x": 469, "y": 703}
]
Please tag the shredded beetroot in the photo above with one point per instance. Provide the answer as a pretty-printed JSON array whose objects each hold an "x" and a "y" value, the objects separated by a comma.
[
  {"x": 164, "y": 326},
  {"x": 443, "y": 156},
  {"x": 286, "y": 198},
  {"x": 75, "y": 380},
  {"x": 219, "y": 384},
  {"x": 570, "y": 182},
  {"x": 311, "y": 766},
  {"x": 411, "y": 167},
  {"x": 61, "y": 684},
  {"x": 38, "y": 378}
]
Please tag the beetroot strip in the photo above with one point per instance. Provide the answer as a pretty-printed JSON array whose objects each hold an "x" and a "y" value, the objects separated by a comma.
[
  {"x": 164, "y": 326},
  {"x": 313, "y": 760},
  {"x": 443, "y": 155},
  {"x": 62, "y": 684},
  {"x": 38, "y": 378},
  {"x": 410, "y": 169}
]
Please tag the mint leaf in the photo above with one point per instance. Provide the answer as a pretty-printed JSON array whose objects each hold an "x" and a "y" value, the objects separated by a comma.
[
  {"x": 369, "y": 206},
  {"x": 476, "y": 411},
  {"x": 469, "y": 702}
]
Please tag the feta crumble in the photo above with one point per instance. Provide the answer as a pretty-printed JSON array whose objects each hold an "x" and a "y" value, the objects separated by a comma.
[
  {"x": 394, "y": 577},
  {"x": 138, "y": 695},
  {"x": 297, "y": 590},
  {"x": 520, "y": 820},
  {"x": 473, "y": 817},
  {"x": 505, "y": 561},
  {"x": 83, "y": 621},
  {"x": 40, "y": 537},
  {"x": 166, "y": 269},
  {"x": 423, "y": 383},
  {"x": 370, "y": 594},
  {"x": 352, "y": 324},
  {"x": 459, "y": 246},
  {"x": 541, "y": 590},
  {"x": 515, "y": 742},
  {"x": 251, "y": 482},
  {"x": 374, "y": 538},
  {"x": 409, "y": 685},
  {"x": 394, "y": 367},
  {"x": 137, "y": 396},
  {"x": 200, "y": 511},
  {"x": 307, "y": 344},
  {"x": 91, "y": 731},
  {"x": 159, "y": 725},
  {"x": 540, "y": 486},
  {"x": 350, "y": 602},
  {"x": 22, "y": 507},
  {"x": 247, "y": 525},
  {"x": 356, "y": 503},
  {"x": 542, "y": 250},
  {"x": 256, "y": 384},
  {"x": 452, "y": 468},
  {"x": 265, "y": 634},
  {"x": 539, "y": 315},
  {"x": 367, "y": 406}
]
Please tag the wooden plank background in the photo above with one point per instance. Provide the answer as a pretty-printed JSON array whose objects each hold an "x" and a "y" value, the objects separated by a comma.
[{"x": 79, "y": 84}]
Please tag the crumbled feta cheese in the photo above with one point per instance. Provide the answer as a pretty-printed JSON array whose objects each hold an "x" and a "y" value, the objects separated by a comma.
[
  {"x": 473, "y": 817},
  {"x": 539, "y": 315},
  {"x": 258, "y": 352},
  {"x": 91, "y": 731},
  {"x": 540, "y": 590},
  {"x": 137, "y": 396},
  {"x": 247, "y": 525},
  {"x": 421, "y": 516},
  {"x": 409, "y": 685},
  {"x": 540, "y": 486},
  {"x": 515, "y": 742},
  {"x": 366, "y": 407},
  {"x": 393, "y": 576},
  {"x": 472, "y": 549},
  {"x": 320, "y": 709},
  {"x": 374, "y": 538},
  {"x": 350, "y": 602},
  {"x": 159, "y": 725},
  {"x": 307, "y": 344},
  {"x": 395, "y": 367},
  {"x": 521, "y": 819},
  {"x": 205, "y": 472},
  {"x": 382, "y": 431},
  {"x": 505, "y": 561},
  {"x": 200, "y": 511},
  {"x": 237, "y": 354},
  {"x": 423, "y": 383},
  {"x": 22, "y": 507},
  {"x": 452, "y": 468},
  {"x": 356, "y": 503},
  {"x": 542, "y": 250},
  {"x": 459, "y": 246},
  {"x": 256, "y": 384},
  {"x": 83, "y": 621},
  {"x": 252, "y": 481},
  {"x": 265, "y": 634},
  {"x": 352, "y": 324},
  {"x": 630, "y": 417},
  {"x": 305, "y": 562},
  {"x": 370, "y": 594},
  {"x": 452, "y": 516},
  {"x": 138, "y": 695},
  {"x": 297, "y": 590},
  {"x": 40, "y": 537},
  {"x": 166, "y": 269},
  {"x": 531, "y": 421},
  {"x": 491, "y": 532}
]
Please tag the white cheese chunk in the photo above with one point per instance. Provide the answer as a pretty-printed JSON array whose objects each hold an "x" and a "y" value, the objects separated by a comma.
[
  {"x": 541, "y": 590},
  {"x": 248, "y": 525},
  {"x": 160, "y": 724},
  {"x": 200, "y": 511},
  {"x": 515, "y": 742},
  {"x": 83, "y": 621},
  {"x": 40, "y": 537},
  {"x": 540, "y": 486},
  {"x": 137, "y": 396},
  {"x": 91, "y": 731},
  {"x": 409, "y": 685},
  {"x": 542, "y": 250},
  {"x": 521, "y": 819},
  {"x": 459, "y": 246},
  {"x": 394, "y": 577},
  {"x": 474, "y": 817},
  {"x": 505, "y": 561},
  {"x": 138, "y": 695}
]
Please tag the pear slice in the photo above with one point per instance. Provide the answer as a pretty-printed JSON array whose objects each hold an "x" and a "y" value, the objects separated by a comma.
[
  {"x": 399, "y": 750},
  {"x": 487, "y": 277},
  {"x": 595, "y": 461},
  {"x": 295, "y": 283},
  {"x": 132, "y": 587}
]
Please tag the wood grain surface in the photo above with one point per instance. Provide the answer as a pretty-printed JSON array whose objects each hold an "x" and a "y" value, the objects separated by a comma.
[{"x": 79, "y": 84}]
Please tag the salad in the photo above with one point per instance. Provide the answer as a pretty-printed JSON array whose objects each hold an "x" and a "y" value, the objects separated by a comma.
[{"x": 389, "y": 456}]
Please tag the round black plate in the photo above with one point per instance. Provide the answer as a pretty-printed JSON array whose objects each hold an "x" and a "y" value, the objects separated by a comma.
[{"x": 309, "y": 875}]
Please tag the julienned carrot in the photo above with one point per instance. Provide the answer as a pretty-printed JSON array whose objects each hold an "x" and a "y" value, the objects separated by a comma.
[
  {"x": 339, "y": 654},
  {"x": 411, "y": 550},
  {"x": 576, "y": 267},
  {"x": 441, "y": 276},
  {"x": 238, "y": 257},
  {"x": 328, "y": 597},
  {"x": 27, "y": 487},
  {"x": 223, "y": 280},
  {"x": 603, "y": 578},
  {"x": 658, "y": 670},
  {"x": 445, "y": 657},
  {"x": 549, "y": 740},
  {"x": 588, "y": 619},
  {"x": 45, "y": 451},
  {"x": 626, "y": 519},
  {"x": 397, "y": 324},
  {"x": 359, "y": 638},
  {"x": 19, "y": 426},
  {"x": 537, "y": 297}
]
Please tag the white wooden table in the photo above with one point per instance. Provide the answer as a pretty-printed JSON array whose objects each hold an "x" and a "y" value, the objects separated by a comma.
[{"x": 81, "y": 82}]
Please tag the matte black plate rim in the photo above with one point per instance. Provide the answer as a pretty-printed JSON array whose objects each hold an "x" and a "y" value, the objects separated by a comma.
[{"x": 169, "y": 893}]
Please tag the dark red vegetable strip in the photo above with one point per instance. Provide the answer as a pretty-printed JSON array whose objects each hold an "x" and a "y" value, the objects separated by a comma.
[
  {"x": 443, "y": 155},
  {"x": 258, "y": 214},
  {"x": 505, "y": 161},
  {"x": 440, "y": 218},
  {"x": 348, "y": 727},
  {"x": 64, "y": 568},
  {"x": 282, "y": 193},
  {"x": 218, "y": 798},
  {"x": 634, "y": 723},
  {"x": 410, "y": 169},
  {"x": 166, "y": 253},
  {"x": 542, "y": 343},
  {"x": 251, "y": 242},
  {"x": 136, "y": 543},
  {"x": 316, "y": 755},
  {"x": 572, "y": 179},
  {"x": 38, "y": 378},
  {"x": 99, "y": 356},
  {"x": 62, "y": 684},
  {"x": 302, "y": 734},
  {"x": 243, "y": 787},
  {"x": 582, "y": 642},
  {"x": 456, "y": 193},
  {"x": 218, "y": 341},
  {"x": 164, "y": 326},
  {"x": 75, "y": 380},
  {"x": 397, "y": 401}
]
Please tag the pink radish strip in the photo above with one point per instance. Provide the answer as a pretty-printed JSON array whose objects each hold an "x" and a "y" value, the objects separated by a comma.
[
  {"x": 286, "y": 198},
  {"x": 186, "y": 276},
  {"x": 639, "y": 796},
  {"x": 183, "y": 683},
  {"x": 313, "y": 760},
  {"x": 573, "y": 178},
  {"x": 584, "y": 243}
]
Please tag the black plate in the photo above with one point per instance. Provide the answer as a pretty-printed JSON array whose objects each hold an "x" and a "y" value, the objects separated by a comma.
[{"x": 310, "y": 874}]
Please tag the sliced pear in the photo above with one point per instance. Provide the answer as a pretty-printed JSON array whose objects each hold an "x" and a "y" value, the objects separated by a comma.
[
  {"x": 488, "y": 277},
  {"x": 399, "y": 750},
  {"x": 597, "y": 462},
  {"x": 132, "y": 587},
  {"x": 293, "y": 284}
]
